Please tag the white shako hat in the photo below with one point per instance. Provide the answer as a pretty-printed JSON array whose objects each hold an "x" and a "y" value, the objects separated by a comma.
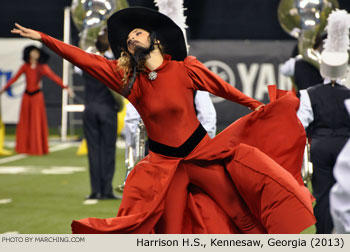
[{"x": 335, "y": 57}]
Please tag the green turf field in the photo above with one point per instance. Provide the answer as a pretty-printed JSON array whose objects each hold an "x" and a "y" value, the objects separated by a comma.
[{"x": 44, "y": 202}]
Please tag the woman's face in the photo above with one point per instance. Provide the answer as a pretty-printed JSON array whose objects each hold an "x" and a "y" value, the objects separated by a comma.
[
  {"x": 138, "y": 37},
  {"x": 34, "y": 55}
]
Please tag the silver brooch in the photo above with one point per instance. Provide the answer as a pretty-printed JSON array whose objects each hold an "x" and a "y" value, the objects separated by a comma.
[{"x": 152, "y": 75}]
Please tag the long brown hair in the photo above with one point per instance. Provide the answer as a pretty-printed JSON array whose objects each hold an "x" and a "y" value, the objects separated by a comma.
[{"x": 126, "y": 64}]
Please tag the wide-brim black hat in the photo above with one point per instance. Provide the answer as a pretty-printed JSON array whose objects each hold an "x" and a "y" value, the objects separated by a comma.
[
  {"x": 44, "y": 57},
  {"x": 121, "y": 23}
]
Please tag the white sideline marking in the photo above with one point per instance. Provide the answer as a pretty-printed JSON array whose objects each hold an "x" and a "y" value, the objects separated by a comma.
[
  {"x": 21, "y": 156},
  {"x": 47, "y": 170},
  {"x": 90, "y": 202},
  {"x": 5, "y": 201},
  {"x": 11, "y": 232},
  {"x": 62, "y": 170},
  {"x": 16, "y": 169}
]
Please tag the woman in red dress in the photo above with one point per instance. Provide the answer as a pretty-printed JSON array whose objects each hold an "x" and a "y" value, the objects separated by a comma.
[
  {"x": 244, "y": 180},
  {"x": 31, "y": 131}
]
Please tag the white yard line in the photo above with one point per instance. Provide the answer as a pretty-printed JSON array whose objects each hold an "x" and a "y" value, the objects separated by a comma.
[
  {"x": 21, "y": 156},
  {"x": 5, "y": 201},
  {"x": 13, "y": 158},
  {"x": 61, "y": 147}
]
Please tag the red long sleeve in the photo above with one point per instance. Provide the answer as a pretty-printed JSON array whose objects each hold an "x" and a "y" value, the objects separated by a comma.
[
  {"x": 97, "y": 66},
  {"x": 14, "y": 78},
  {"x": 49, "y": 73},
  {"x": 204, "y": 79}
]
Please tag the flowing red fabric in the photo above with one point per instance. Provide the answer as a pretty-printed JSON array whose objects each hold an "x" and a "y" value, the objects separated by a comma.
[
  {"x": 245, "y": 180},
  {"x": 31, "y": 131}
]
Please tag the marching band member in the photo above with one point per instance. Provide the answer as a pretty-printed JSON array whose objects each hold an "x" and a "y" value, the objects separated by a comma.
[
  {"x": 323, "y": 112},
  {"x": 31, "y": 131}
]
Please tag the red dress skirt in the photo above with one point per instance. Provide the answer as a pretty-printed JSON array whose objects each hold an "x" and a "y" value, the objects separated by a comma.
[
  {"x": 31, "y": 131},
  {"x": 245, "y": 180}
]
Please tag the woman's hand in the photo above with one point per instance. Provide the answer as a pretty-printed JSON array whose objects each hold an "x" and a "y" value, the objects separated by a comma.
[
  {"x": 26, "y": 32},
  {"x": 259, "y": 107}
]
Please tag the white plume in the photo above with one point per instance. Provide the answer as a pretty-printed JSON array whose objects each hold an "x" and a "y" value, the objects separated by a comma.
[
  {"x": 338, "y": 32},
  {"x": 173, "y": 9}
]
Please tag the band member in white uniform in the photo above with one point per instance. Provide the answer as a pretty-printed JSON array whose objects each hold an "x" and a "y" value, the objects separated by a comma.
[{"x": 322, "y": 110}]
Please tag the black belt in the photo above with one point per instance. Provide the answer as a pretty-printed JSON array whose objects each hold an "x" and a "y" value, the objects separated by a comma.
[
  {"x": 181, "y": 151},
  {"x": 32, "y": 92}
]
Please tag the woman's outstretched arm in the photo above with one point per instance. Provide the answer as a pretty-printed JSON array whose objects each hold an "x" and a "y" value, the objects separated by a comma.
[
  {"x": 13, "y": 79},
  {"x": 99, "y": 67}
]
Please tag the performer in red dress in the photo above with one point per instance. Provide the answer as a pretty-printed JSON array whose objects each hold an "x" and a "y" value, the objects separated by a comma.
[
  {"x": 31, "y": 131},
  {"x": 244, "y": 180}
]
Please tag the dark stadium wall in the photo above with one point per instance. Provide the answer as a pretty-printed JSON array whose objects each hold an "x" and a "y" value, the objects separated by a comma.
[{"x": 207, "y": 20}]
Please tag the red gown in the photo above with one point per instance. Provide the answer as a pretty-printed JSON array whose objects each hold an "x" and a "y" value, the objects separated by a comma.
[
  {"x": 31, "y": 131},
  {"x": 245, "y": 180}
]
